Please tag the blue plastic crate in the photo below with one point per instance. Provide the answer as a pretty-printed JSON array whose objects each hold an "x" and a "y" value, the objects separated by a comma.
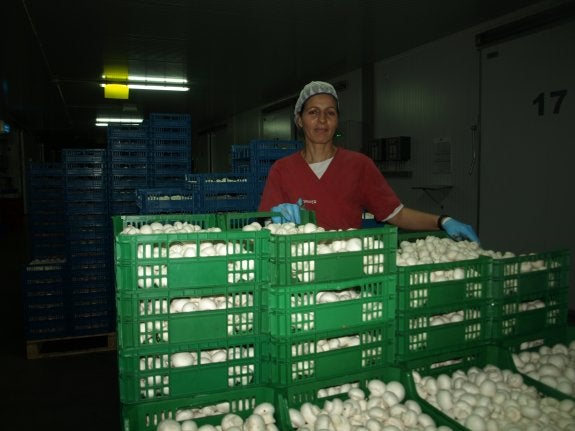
[
  {"x": 124, "y": 208},
  {"x": 96, "y": 195},
  {"x": 168, "y": 155},
  {"x": 273, "y": 149},
  {"x": 42, "y": 175},
  {"x": 171, "y": 168},
  {"x": 119, "y": 133},
  {"x": 211, "y": 204},
  {"x": 89, "y": 324},
  {"x": 168, "y": 180},
  {"x": 165, "y": 200},
  {"x": 170, "y": 118},
  {"x": 167, "y": 132},
  {"x": 240, "y": 152},
  {"x": 219, "y": 183},
  {"x": 71, "y": 156},
  {"x": 128, "y": 154},
  {"x": 87, "y": 207},
  {"x": 180, "y": 144}
]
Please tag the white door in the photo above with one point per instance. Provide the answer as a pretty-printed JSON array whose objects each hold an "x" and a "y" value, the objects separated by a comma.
[{"x": 527, "y": 158}]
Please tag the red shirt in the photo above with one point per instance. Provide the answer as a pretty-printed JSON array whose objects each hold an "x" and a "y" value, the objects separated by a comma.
[{"x": 351, "y": 183}]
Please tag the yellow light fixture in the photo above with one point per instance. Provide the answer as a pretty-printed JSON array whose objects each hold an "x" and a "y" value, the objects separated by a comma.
[{"x": 116, "y": 91}]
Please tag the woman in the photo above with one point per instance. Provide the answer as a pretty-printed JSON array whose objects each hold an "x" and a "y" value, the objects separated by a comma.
[{"x": 336, "y": 183}]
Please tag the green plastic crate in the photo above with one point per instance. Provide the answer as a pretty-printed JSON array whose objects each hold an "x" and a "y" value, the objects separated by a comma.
[
  {"x": 297, "y": 259},
  {"x": 533, "y": 341},
  {"x": 320, "y": 391},
  {"x": 205, "y": 221},
  {"x": 144, "y": 261},
  {"x": 519, "y": 315},
  {"x": 146, "y": 416},
  {"x": 300, "y": 358},
  {"x": 148, "y": 374},
  {"x": 417, "y": 337},
  {"x": 421, "y": 300},
  {"x": 531, "y": 273},
  {"x": 337, "y": 305},
  {"x": 237, "y": 220},
  {"x": 545, "y": 337},
  {"x": 156, "y": 316},
  {"x": 453, "y": 360},
  {"x": 407, "y": 235},
  {"x": 466, "y": 281},
  {"x": 527, "y": 300}
]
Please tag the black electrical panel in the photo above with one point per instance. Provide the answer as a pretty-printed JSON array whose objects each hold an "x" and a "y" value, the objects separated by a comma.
[{"x": 395, "y": 149}]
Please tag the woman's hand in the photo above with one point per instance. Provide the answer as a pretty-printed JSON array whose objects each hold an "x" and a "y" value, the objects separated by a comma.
[
  {"x": 458, "y": 231},
  {"x": 289, "y": 212}
]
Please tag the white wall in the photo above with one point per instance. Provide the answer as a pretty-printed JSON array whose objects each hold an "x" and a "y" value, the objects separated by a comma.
[
  {"x": 427, "y": 94},
  {"x": 435, "y": 91},
  {"x": 527, "y": 142}
]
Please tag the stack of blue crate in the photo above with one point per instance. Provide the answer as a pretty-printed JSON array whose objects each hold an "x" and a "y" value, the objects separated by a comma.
[
  {"x": 170, "y": 148},
  {"x": 128, "y": 154},
  {"x": 263, "y": 153},
  {"x": 221, "y": 192},
  {"x": 45, "y": 198},
  {"x": 44, "y": 277},
  {"x": 240, "y": 159},
  {"x": 90, "y": 287}
]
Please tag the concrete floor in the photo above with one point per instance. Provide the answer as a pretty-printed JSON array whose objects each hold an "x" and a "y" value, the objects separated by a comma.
[{"x": 78, "y": 392}]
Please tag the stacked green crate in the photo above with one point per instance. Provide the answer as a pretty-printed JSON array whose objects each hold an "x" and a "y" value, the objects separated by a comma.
[
  {"x": 188, "y": 323},
  {"x": 332, "y": 255},
  {"x": 442, "y": 305},
  {"x": 530, "y": 293},
  {"x": 509, "y": 305},
  {"x": 531, "y": 308},
  {"x": 329, "y": 313}
]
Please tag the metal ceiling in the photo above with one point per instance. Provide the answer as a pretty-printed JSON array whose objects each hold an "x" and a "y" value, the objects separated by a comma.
[{"x": 236, "y": 54}]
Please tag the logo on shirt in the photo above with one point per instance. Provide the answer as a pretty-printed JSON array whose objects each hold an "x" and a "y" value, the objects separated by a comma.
[{"x": 310, "y": 201}]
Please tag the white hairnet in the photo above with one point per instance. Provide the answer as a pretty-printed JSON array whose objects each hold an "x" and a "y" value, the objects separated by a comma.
[{"x": 311, "y": 89}]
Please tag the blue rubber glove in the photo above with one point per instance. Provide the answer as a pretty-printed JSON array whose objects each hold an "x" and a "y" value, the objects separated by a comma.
[
  {"x": 458, "y": 231},
  {"x": 289, "y": 213}
]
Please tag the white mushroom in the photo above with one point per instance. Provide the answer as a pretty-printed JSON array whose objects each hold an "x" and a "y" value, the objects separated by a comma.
[
  {"x": 254, "y": 423},
  {"x": 169, "y": 425},
  {"x": 231, "y": 420},
  {"x": 296, "y": 418}
]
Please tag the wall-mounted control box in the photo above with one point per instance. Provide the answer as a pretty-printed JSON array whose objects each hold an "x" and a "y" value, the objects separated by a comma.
[{"x": 394, "y": 149}]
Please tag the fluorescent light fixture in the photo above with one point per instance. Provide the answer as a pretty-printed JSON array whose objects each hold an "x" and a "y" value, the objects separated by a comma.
[
  {"x": 104, "y": 121},
  {"x": 154, "y": 87},
  {"x": 157, "y": 87},
  {"x": 157, "y": 83},
  {"x": 119, "y": 120},
  {"x": 157, "y": 79}
]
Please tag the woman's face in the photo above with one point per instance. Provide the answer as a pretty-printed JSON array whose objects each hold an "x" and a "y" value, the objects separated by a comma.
[{"x": 319, "y": 119}]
